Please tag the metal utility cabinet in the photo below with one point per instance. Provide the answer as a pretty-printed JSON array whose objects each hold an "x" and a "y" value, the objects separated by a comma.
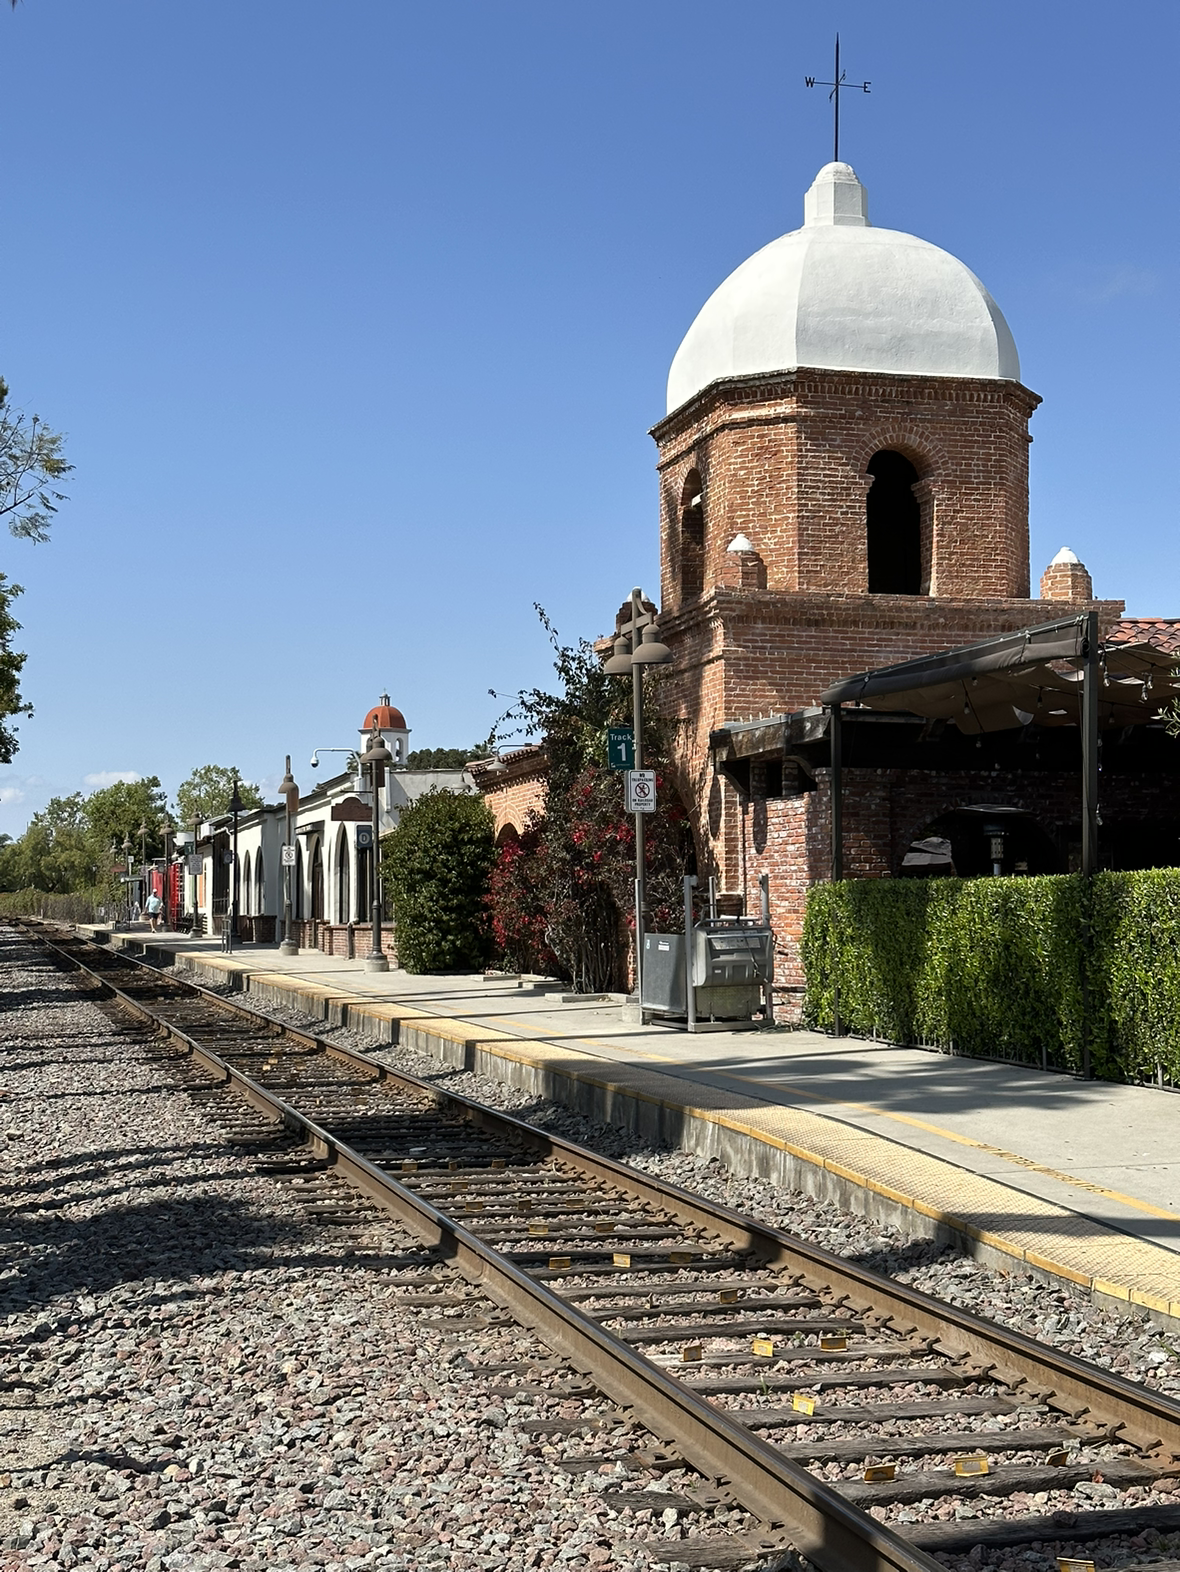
[{"x": 732, "y": 967}]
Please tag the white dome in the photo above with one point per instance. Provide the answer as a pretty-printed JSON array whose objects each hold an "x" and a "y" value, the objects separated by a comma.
[{"x": 842, "y": 295}]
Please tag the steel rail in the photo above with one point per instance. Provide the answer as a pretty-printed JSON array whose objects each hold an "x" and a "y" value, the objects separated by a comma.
[
  {"x": 819, "y": 1522},
  {"x": 1144, "y": 1417}
]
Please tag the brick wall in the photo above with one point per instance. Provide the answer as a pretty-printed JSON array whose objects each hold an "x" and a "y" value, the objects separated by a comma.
[{"x": 783, "y": 460}]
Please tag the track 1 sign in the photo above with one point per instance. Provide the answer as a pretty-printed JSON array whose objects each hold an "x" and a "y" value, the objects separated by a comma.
[
  {"x": 640, "y": 790},
  {"x": 620, "y": 748}
]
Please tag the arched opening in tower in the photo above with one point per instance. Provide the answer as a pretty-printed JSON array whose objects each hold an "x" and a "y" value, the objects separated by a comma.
[
  {"x": 692, "y": 536},
  {"x": 894, "y": 525}
]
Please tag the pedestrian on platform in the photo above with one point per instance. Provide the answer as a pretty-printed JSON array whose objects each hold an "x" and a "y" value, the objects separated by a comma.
[{"x": 153, "y": 906}]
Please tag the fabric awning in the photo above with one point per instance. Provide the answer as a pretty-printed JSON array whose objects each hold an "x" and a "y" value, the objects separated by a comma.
[{"x": 1030, "y": 677}]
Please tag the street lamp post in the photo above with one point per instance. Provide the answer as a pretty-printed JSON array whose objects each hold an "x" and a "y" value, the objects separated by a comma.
[
  {"x": 377, "y": 756},
  {"x": 127, "y": 850},
  {"x": 167, "y": 830},
  {"x": 235, "y": 807},
  {"x": 143, "y": 832},
  {"x": 198, "y": 926},
  {"x": 637, "y": 645},
  {"x": 289, "y": 791}
]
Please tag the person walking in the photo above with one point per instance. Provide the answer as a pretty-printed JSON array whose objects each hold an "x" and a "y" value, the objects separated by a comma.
[{"x": 153, "y": 907}]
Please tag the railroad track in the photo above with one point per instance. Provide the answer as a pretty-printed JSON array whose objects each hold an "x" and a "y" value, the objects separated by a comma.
[{"x": 802, "y": 1387}]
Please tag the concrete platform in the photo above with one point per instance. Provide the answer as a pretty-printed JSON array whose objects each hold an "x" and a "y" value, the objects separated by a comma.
[{"x": 1072, "y": 1179}]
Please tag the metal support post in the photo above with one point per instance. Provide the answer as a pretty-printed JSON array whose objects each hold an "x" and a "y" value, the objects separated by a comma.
[
  {"x": 290, "y": 793},
  {"x": 690, "y": 993},
  {"x": 835, "y": 735},
  {"x": 196, "y": 879},
  {"x": 764, "y": 911},
  {"x": 640, "y": 825},
  {"x": 1091, "y": 676},
  {"x": 287, "y": 947},
  {"x": 376, "y": 960}
]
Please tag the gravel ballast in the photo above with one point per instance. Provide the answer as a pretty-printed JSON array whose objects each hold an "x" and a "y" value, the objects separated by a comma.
[
  {"x": 1053, "y": 1313},
  {"x": 203, "y": 1369},
  {"x": 211, "y": 1358}
]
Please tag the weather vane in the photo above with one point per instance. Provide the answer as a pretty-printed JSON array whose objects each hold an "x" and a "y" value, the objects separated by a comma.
[{"x": 838, "y": 86}]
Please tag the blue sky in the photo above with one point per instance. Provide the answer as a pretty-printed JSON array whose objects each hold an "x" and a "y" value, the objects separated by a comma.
[{"x": 357, "y": 316}]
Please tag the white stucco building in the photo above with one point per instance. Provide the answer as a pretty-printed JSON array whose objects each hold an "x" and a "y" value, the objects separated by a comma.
[{"x": 331, "y": 880}]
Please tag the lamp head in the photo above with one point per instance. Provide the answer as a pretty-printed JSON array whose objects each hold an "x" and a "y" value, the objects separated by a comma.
[
  {"x": 619, "y": 665},
  {"x": 651, "y": 652},
  {"x": 376, "y": 753},
  {"x": 287, "y": 786}
]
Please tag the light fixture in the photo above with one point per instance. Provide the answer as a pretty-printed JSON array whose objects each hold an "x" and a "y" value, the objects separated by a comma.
[
  {"x": 619, "y": 665},
  {"x": 376, "y": 753},
  {"x": 651, "y": 651}
]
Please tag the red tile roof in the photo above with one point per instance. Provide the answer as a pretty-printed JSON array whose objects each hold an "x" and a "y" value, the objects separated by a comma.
[{"x": 1162, "y": 633}]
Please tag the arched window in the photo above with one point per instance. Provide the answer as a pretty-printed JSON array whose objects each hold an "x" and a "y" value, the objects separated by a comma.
[
  {"x": 297, "y": 892},
  {"x": 692, "y": 536},
  {"x": 343, "y": 879},
  {"x": 247, "y": 887},
  {"x": 894, "y": 526},
  {"x": 317, "y": 883},
  {"x": 259, "y": 885}
]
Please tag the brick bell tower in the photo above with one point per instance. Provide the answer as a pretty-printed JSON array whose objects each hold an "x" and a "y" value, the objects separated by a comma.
[{"x": 843, "y": 484}]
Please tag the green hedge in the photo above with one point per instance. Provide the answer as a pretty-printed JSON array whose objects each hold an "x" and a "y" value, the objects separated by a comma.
[{"x": 1034, "y": 970}]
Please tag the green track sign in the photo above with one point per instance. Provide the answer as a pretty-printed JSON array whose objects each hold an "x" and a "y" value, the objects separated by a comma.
[{"x": 620, "y": 748}]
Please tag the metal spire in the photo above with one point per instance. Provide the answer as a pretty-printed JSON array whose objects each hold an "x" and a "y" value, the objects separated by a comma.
[{"x": 837, "y": 86}]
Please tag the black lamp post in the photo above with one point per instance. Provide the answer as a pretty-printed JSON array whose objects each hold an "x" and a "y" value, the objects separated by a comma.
[
  {"x": 638, "y": 645},
  {"x": 167, "y": 830},
  {"x": 377, "y": 756},
  {"x": 143, "y": 832},
  {"x": 127, "y": 850},
  {"x": 235, "y": 807},
  {"x": 288, "y": 790}
]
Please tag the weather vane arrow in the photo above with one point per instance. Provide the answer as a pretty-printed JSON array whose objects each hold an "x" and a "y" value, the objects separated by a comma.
[{"x": 840, "y": 85}]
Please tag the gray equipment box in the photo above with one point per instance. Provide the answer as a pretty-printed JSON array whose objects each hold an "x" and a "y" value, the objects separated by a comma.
[{"x": 731, "y": 961}]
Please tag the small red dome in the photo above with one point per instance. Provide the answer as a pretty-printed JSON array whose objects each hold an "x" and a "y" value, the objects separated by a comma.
[{"x": 385, "y": 717}]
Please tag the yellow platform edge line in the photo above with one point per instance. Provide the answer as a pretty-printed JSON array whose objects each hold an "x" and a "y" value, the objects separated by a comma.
[{"x": 444, "y": 1029}]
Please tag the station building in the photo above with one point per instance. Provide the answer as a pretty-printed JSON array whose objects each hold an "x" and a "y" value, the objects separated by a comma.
[
  {"x": 843, "y": 484},
  {"x": 843, "y": 476},
  {"x": 331, "y": 878}
]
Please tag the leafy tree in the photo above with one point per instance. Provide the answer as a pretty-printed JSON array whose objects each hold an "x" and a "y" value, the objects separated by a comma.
[
  {"x": 207, "y": 792},
  {"x": 569, "y": 880},
  {"x": 11, "y": 663},
  {"x": 435, "y": 866},
  {"x": 443, "y": 758},
  {"x": 115, "y": 814},
  {"x": 56, "y": 853},
  {"x": 31, "y": 465}
]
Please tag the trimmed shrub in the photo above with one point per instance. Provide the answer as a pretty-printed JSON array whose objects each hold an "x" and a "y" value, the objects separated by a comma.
[
  {"x": 436, "y": 866},
  {"x": 1036, "y": 970}
]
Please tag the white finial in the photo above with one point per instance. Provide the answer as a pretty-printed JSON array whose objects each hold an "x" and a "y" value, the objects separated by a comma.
[
  {"x": 836, "y": 197},
  {"x": 739, "y": 543},
  {"x": 1065, "y": 557}
]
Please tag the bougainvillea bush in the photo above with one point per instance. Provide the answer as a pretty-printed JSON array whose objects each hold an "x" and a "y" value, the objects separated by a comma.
[{"x": 562, "y": 896}]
